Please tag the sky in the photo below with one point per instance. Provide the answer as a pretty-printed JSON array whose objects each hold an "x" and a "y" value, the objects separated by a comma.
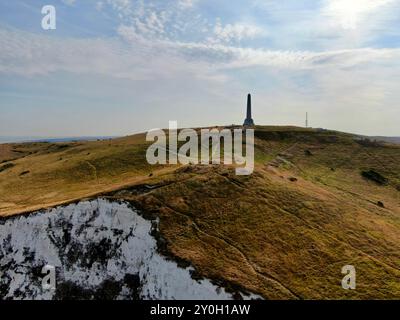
[{"x": 117, "y": 67}]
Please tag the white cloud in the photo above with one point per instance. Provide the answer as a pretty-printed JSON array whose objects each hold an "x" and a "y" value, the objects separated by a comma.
[
  {"x": 330, "y": 25},
  {"x": 69, "y": 2},
  {"x": 235, "y": 32},
  {"x": 123, "y": 7},
  {"x": 28, "y": 55},
  {"x": 350, "y": 14},
  {"x": 185, "y": 4},
  {"x": 99, "y": 5}
]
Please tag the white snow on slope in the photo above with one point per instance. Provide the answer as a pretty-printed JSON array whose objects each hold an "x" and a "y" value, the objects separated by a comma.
[{"x": 100, "y": 249}]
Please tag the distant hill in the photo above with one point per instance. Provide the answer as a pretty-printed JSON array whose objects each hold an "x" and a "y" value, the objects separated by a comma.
[
  {"x": 18, "y": 139},
  {"x": 386, "y": 139}
]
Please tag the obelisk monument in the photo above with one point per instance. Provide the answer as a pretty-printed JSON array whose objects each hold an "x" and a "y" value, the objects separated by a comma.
[{"x": 248, "y": 122}]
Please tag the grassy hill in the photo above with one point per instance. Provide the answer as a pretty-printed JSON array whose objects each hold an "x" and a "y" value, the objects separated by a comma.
[
  {"x": 318, "y": 200},
  {"x": 38, "y": 175}
]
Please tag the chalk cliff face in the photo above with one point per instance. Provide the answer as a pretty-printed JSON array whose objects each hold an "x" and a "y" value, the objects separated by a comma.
[{"x": 100, "y": 250}]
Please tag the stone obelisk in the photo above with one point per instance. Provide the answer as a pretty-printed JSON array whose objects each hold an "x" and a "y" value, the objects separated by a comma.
[{"x": 248, "y": 122}]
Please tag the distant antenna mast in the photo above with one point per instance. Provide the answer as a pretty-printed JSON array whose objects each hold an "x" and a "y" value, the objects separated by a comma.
[{"x": 306, "y": 119}]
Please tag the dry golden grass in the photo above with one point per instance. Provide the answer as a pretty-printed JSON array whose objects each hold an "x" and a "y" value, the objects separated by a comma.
[
  {"x": 48, "y": 174},
  {"x": 281, "y": 237}
]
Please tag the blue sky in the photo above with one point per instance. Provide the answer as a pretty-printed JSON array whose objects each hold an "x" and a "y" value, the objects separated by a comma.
[{"x": 115, "y": 67}]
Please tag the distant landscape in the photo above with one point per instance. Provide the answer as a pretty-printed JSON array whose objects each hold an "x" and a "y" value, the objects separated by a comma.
[
  {"x": 386, "y": 139},
  {"x": 11, "y": 139},
  {"x": 316, "y": 201}
]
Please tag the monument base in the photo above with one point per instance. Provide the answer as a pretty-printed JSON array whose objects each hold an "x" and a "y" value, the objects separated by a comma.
[{"x": 248, "y": 123}]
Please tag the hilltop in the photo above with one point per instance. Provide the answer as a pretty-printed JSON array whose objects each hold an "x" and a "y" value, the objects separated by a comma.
[{"x": 318, "y": 200}]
